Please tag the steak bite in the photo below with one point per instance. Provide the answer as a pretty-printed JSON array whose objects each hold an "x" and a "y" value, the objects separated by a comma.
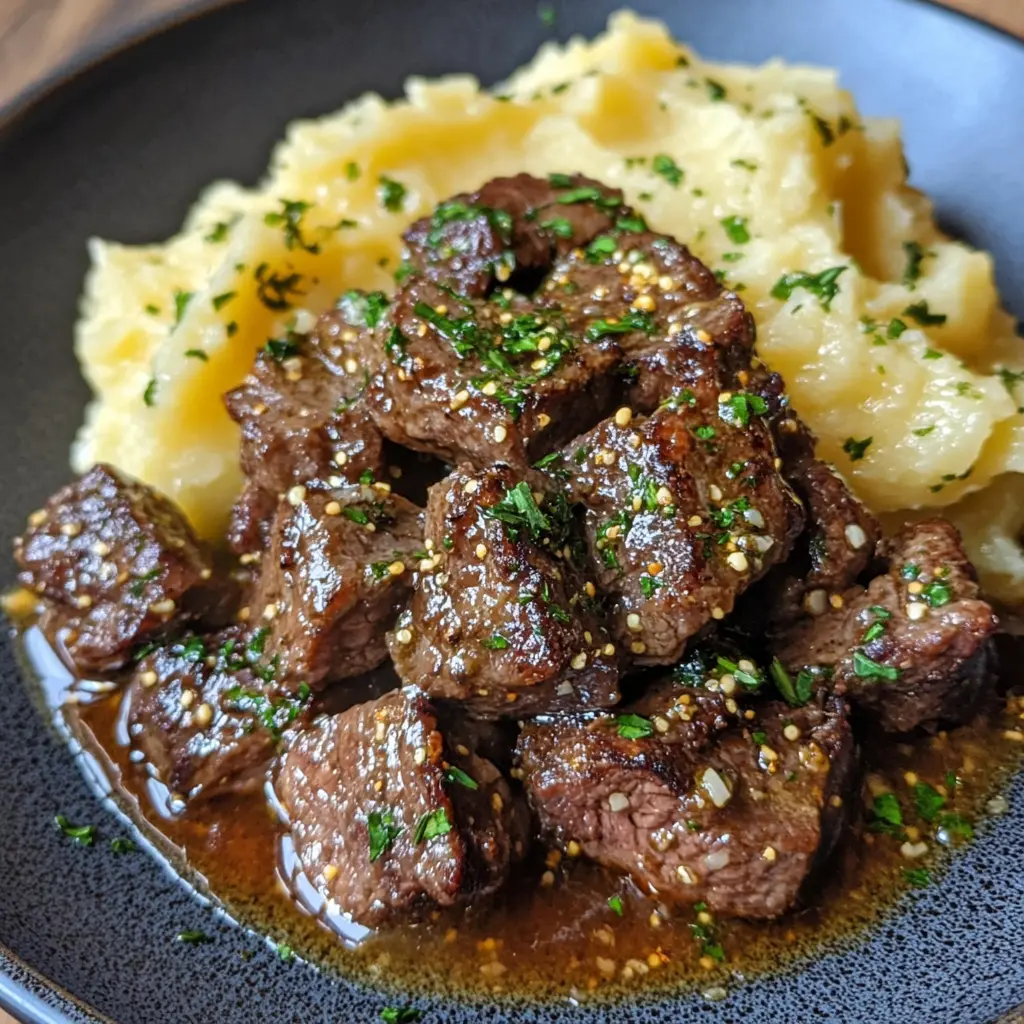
[
  {"x": 390, "y": 817},
  {"x": 678, "y": 328},
  {"x": 510, "y": 230},
  {"x": 913, "y": 648},
  {"x": 502, "y": 619},
  {"x": 207, "y": 716},
  {"x": 487, "y": 381},
  {"x": 118, "y": 562},
  {"x": 695, "y": 800},
  {"x": 338, "y": 569},
  {"x": 839, "y": 542},
  {"x": 302, "y": 416},
  {"x": 685, "y": 509}
]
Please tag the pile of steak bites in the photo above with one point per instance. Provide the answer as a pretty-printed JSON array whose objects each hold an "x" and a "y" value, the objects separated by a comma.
[{"x": 637, "y": 618}]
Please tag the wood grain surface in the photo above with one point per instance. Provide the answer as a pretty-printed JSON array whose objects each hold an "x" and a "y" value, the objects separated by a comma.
[{"x": 39, "y": 36}]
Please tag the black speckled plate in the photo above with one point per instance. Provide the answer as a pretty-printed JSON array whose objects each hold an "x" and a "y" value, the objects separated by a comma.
[{"x": 121, "y": 151}]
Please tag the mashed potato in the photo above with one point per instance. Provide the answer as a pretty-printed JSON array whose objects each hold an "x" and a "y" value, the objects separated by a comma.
[{"x": 889, "y": 335}]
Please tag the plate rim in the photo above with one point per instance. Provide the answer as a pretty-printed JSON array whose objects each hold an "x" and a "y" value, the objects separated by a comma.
[{"x": 19, "y": 996}]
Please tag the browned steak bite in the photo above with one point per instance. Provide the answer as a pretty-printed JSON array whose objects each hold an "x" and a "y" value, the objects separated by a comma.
[
  {"x": 510, "y": 230},
  {"x": 684, "y": 510},
  {"x": 207, "y": 716},
  {"x": 693, "y": 799},
  {"x": 118, "y": 561},
  {"x": 502, "y": 619},
  {"x": 913, "y": 648},
  {"x": 338, "y": 569},
  {"x": 839, "y": 542},
  {"x": 390, "y": 818},
  {"x": 679, "y": 329},
  {"x": 485, "y": 380},
  {"x": 302, "y": 416}
]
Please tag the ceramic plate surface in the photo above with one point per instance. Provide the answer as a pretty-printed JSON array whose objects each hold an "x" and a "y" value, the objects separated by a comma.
[{"x": 121, "y": 151}]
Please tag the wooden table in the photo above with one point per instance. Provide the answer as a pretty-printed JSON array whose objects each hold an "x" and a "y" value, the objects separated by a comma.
[{"x": 37, "y": 36}]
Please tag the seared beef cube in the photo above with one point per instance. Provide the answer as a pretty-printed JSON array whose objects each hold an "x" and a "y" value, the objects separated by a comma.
[
  {"x": 205, "y": 713},
  {"x": 389, "y": 817},
  {"x": 676, "y": 325},
  {"x": 510, "y": 230},
  {"x": 339, "y": 567},
  {"x": 119, "y": 562},
  {"x": 251, "y": 515},
  {"x": 693, "y": 799},
  {"x": 915, "y": 647},
  {"x": 839, "y": 543},
  {"x": 303, "y": 419},
  {"x": 502, "y": 620},
  {"x": 842, "y": 534},
  {"x": 487, "y": 381},
  {"x": 684, "y": 510}
]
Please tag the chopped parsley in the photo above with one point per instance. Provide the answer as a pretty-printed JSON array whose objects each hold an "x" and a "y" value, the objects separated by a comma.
[
  {"x": 197, "y": 353},
  {"x": 496, "y": 643},
  {"x": 937, "y": 594},
  {"x": 635, "y": 223},
  {"x": 363, "y": 307},
  {"x": 736, "y": 228},
  {"x": 400, "y": 1015},
  {"x": 956, "y": 825},
  {"x": 352, "y": 170},
  {"x": 220, "y": 301},
  {"x": 518, "y": 512},
  {"x": 915, "y": 257},
  {"x": 822, "y": 286},
  {"x": 615, "y": 902},
  {"x": 664, "y": 166},
  {"x": 138, "y": 588},
  {"x": 856, "y": 449},
  {"x": 917, "y": 877},
  {"x": 546, "y": 15},
  {"x": 716, "y": 91},
  {"x": 648, "y": 585},
  {"x": 455, "y": 774},
  {"x": 274, "y": 714},
  {"x": 382, "y": 830},
  {"x": 560, "y": 226},
  {"x": 886, "y": 816},
  {"x": 181, "y": 301},
  {"x": 634, "y": 320},
  {"x": 149, "y": 395},
  {"x": 290, "y": 218},
  {"x": 275, "y": 290},
  {"x": 391, "y": 194},
  {"x": 896, "y": 328},
  {"x": 928, "y": 801},
  {"x": 921, "y": 314},
  {"x": 280, "y": 349},
  {"x": 219, "y": 232},
  {"x": 121, "y": 845},
  {"x": 740, "y": 407},
  {"x": 83, "y": 835},
  {"x": 865, "y": 668},
  {"x": 603, "y": 245},
  {"x": 796, "y": 692},
  {"x": 634, "y": 727},
  {"x": 193, "y": 937},
  {"x": 432, "y": 825}
]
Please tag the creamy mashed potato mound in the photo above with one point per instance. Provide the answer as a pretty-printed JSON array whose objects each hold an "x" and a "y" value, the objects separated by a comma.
[{"x": 889, "y": 335}]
